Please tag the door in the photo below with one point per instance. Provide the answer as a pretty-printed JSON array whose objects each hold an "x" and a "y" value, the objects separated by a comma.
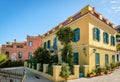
[{"x": 76, "y": 58}]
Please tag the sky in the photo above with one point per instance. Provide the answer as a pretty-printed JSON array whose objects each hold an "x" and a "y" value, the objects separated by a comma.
[{"x": 19, "y": 18}]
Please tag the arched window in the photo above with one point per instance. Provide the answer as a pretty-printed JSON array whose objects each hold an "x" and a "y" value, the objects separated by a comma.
[
  {"x": 30, "y": 43},
  {"x": 19, "y": 54}
]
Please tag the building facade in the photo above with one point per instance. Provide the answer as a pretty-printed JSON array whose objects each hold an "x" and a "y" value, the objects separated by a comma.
[
  {"x": 118, "y": 42},
  {"x": 22, "y": 50},
  {"x": 94, "y": 42}
]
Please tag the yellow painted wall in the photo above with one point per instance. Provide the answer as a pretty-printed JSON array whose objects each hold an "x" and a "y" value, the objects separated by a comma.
[
  {"x": 86, "y": 23},
  {"x": 102, "y": 53}
]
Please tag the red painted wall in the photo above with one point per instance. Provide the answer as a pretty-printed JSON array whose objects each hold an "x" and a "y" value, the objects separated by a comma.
[{"x": 22, "y": 47}]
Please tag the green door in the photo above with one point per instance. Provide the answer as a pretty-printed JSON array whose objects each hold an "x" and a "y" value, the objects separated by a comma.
[
  {"x": 97, "y": 60},
  {"x": 76, "y": 58}
]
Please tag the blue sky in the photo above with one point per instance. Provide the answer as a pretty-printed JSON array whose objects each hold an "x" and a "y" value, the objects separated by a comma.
[{"x": 19, "y": 18}]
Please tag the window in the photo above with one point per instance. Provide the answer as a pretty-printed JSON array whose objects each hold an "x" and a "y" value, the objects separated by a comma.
[
  {"x": 29, "y": 55},
  {"x": 105, "y": 37},
  {"x": 48, "y": 44},
  {"x": 112, "y": 40},
  {"x": 30, "y": 43},
  {"x": 55, "y": 43},
  {"x": 96, "y": 34},
  {"x": 106, "y": 59},
  {"x": 19, "y": 54},
  {"x": 7, "y": 53},
  {"x": 118, "y": 57},
  {"x": 44, "y": 44},
  {"x": 77, "y": 35},
  {"x": 97, "y": 59},
  {"x": 76, "y": 58},
  {"x": 113, "y": 58}
]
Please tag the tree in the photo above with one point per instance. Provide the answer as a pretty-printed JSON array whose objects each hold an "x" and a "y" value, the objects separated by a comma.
[
  {"x": 65, "y": 71},
  {"x": 3, "y": 58},
  {"x": 65, "y": 35},
  {"x": 118, "y": 47},
  {"x": 42, "y": 56}
]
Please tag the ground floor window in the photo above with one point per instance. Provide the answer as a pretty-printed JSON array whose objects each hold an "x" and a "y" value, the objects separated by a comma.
[
  {"x": 117, "y": 57},
  {"x": 76, "y": 58},
  {"x": 106, "y": 59},
  {"x": 97, "y": 60},
  {"x": 113, "y": 58}
]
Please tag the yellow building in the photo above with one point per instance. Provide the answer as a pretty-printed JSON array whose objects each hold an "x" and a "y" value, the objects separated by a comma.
[{"x": 94, "y": 41}]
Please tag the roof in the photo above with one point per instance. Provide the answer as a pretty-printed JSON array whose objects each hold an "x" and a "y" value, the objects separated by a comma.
[{"x": 77, "y": 16}]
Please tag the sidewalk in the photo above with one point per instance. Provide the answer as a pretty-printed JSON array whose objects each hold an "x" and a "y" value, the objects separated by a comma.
[{"x": 113, "y": 77}]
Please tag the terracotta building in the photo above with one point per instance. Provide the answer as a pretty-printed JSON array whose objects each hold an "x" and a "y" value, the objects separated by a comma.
[{"x": 22, "y": 50}]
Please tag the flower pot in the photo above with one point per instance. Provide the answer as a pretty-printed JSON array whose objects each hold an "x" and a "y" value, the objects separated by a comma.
[
  {"x": 102, "y": 73},
  {"x": 92, "y": 75}
]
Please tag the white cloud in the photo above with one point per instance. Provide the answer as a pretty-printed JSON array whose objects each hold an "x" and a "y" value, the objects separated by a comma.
[{"x": 115, "y": 5}]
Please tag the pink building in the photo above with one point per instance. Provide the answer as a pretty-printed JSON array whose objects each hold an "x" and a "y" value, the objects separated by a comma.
[{"x": 22, "y": 50}]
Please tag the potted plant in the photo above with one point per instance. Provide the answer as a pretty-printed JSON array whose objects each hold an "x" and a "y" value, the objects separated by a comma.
[
  {"x": 91, "y": 74},
  {"x": 102, "y": 71},
  {"x": 113, "y": 66}
]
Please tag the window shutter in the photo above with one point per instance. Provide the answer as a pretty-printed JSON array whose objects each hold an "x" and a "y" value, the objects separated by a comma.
[
  {"x": 98, "y": 34},
  {"x": 44, "y": 44},
  {"x": 77, "y": 35},
  {"x": 97, "y": 58},
  {"x": 107, "y": 38},
  {"x": 94, "y": 33}
]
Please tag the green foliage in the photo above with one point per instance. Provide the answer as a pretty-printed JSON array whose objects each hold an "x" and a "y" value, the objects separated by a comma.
[
  {"x": 50, "y": 70},
  {"x": 118, "y": 47},
  {"x": 108, "y": 67},
  {"x": 3, "y": 58},
  {"x": 42, "y": 56},
  {"x": 118, "y": 63},
  {"x": 53, "y": 59},
  {"x": 65, "y": 71},
  {"x": 65, "y": 35},
  {"x": 98, "y": 70},
  {"x": 10, "y": 63},
  {"x": 113, "y": 65}
]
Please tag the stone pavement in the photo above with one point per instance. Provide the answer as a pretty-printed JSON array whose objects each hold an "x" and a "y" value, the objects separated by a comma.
[{"x": 113, "y": 77}]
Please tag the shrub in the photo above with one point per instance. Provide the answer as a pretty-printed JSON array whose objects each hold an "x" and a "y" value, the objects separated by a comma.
[
  {"x": 98, "y": 71},
  {"x": 65, "y": 71},
  {"x": 10, "y": 63},
  {"x": 50, "y": 70},
  {"x": 113, "y": 65},
  {"x": 108, "y": 67}
]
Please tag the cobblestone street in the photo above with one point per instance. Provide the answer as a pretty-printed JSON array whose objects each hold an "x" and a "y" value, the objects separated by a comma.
[{"x": 113, "y": 77}]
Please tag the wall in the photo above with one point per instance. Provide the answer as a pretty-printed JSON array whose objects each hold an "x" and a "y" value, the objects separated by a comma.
[
  {"x": 56, "y": 72},
  {"x": 25, "y": 48}
]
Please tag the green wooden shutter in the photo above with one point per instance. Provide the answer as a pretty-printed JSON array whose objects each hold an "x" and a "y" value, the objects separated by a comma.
[
  {"x": 104, "y": 37},
  {"x": 106, "y": 59},
  {"x": 98, "y": 34},
  {"x": 97, "y": 59},
  {"x": 44, "y": 44},
  {"x": 107, "y": 38},
  {"x": 94, "y": 34},
  {"x": 77, "y": 35},
  {"x": 113, "y": 58}
]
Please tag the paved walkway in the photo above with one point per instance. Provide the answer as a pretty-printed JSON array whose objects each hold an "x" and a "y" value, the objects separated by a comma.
[
  {"x": 32, "y": 77},
  {"x": 113, "y": 77}
]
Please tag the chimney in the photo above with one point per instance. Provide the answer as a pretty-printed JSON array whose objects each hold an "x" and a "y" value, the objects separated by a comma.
[{"x": 15, "y": 40}]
